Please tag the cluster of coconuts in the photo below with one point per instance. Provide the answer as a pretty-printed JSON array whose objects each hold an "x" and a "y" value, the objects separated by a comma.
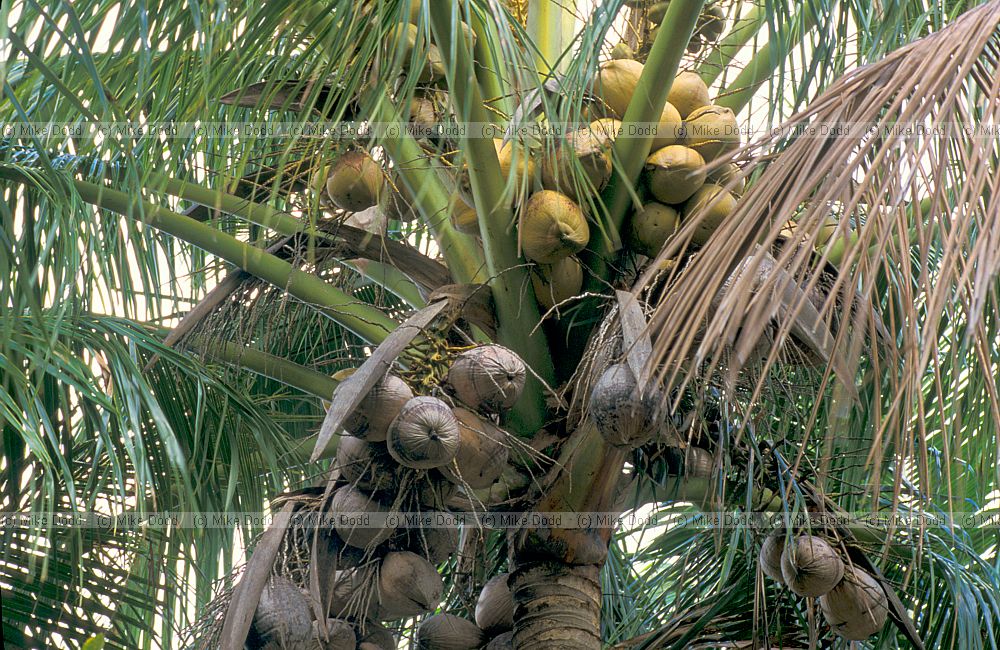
[
  {"x": 853, "y": 602},
  {"x": 492, "y": 629}
]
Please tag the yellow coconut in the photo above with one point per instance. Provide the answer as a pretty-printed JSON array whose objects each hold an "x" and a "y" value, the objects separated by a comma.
[
  {"x": 668, "y": 127},
  {"x": 554, "y": 283},
  {"x": 588, "y": 148},
  {"x": 462, "y": 215},
  {"x": 726, "y": 174},
  {"x": 675, "y": 173},
  {"x": 622, "y": 51},
  {"x": 711, "y": 204},
  {"x": 606, "y": 130},
  {"x": 355, "y": 182},
  {"x": 688, "y": 93},
  {"x": 424, "y": 117},
  {"x": 517, "y": 158},
  {"x": 616, "y": 82},
  {"x": 712, "y": 131},
  {"x": 651, "y": 226},
  {"x": 552, "y": 227}
]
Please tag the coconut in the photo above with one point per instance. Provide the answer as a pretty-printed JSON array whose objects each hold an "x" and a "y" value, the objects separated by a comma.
[
  {"x": 810, "y": 566},
  {"x": 371, "y": 419},
  {"x": 355, "y": 594},
  {"x": 434, "y": 491},
  {"x": 622, "y": 416},
  {"x": 554, "y": 283},
  {"x": 516, "y": 159},
  {"x": 487, "y": 378},
  {"x": 317, "y": 185},
  {"x": 711, "y": 23},
  {"x": 448, "y": 632},
  {"x": 338, "y": 635},
  {"x": 606, "y": 130},
  {"x": 377, "y": 637},
  {"x": 403, "y": 39},
  {"x": 616, "y": 82},
  {"x": 726, "y": 174},
  {"x": 463, "y": 216},
  {"x": 651, "y": 226},
  {"x": 282, "y": 617},
  {"x": 622, "y": 51},
  {"x": 348, "y": 505},
  {"x": 711, "y": 204},
  {"x": 588, "y": 148},
  {"x": 712, "y": 131},
  {"x": 366, "y": 465},
  {"x": 396, "y": 203},
  {"x": 675, "y": 173},
  {"x": 856, "y": 608},
  {"x": 698, "y": 463},
  {"x": 656, "y": 12},
  {"x": 511, "y": 484},
  {"x": 424, "y": 435},
  {"x": 434, "y": 543},
  {"x": 407, "y": 585},
  {"x": 552, "y": 227},
  {"x": 503, "y": 642},
  {"x": 669, "y": 128},
  {"x": 482, "y": 452},
  {"x": 495, "y": 607},
  {"x": 688, "y": 93},
  {"x": 355, "y": 182},
  {"x": 770, "y": 556},
  {"x": 424, "y": 117}
]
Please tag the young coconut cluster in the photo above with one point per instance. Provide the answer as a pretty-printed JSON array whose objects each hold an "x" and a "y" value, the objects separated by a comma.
[
  {"x": 711, "y": 23},
  {"x": 853, "y": 602}
]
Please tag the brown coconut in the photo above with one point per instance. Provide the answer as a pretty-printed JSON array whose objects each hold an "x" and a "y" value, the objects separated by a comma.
[
  {"x": 495, "y": 607},
  {"x": 487, "y": 378},
  {"x": 424, "y": 435},
  {"x": 463, "y": 216},
  {"x": 552, "y": 227},
  {"x": 355, "y": 182},
  {"x": 355, "y": 594},
  {"x": 283, "y": 616},
  {"x": 448, "y": 632},
  {"x": 711, "y": 205},
  {"x": 371, "y": 420},
  {"x": 555, "y": 283},
  {"x": 348, "y": 506},
  {"x": 482, "y": 452},
  {"x": 376, "y": 636},
  {"x": 589, "y": 150},
  {"x": 366, "y": 465},
  {"x": 623, "y": 417},
  {"x": 424, "y": 116},
  {"x": 651, "y": 227},
  {"x": 810, "y": 566},
  {"x": 616, "y": 82},
  {"x": 669, "y": 128},
  {"x": 433, "y": 491},
  {"x": 435, "y": 543},
  {"x": 712, "y": 131},
  {"x": 688, "y": 93},
  {"x": 857, "y": 608},
  {"x": 407, "y": 585},
  {"x": 503, "y": 642},
  {"x": 675, "y": 173},
  {"x": 337, "y": 635},
  {"x": 770, "y": 556},
  {"x": 698, "y": 463}
]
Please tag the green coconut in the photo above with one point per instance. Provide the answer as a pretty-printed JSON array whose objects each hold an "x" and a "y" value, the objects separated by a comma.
[
  {"x": 407, "y": 585},
  {"x": 726, "y": 175},
  {"x": 555, "y": 283},
  {"x": 857, "y": 607},
  {"x": 688, "y": 93},
  {"x": 656, "y": 12},
  {"x": 424, "y": 435},
  {"x": 371, "y": 419},
  {"x": 833, "y": 242},
  {"x": 487, "y": 378},
  {"x": 712, "y": 205},
  {"x": 552, "y": 227},
  {"x": 355, "y": 182},
  {"x": 283, "y": 616},
  {"x": 651, "y": 227},
  {"x": 712, "y": 131},
  {"x": 622, "y": 51},
  {"x": 675, "y": 173},
  {"x": 589, "y": 150},
  {"x": 495, "y": 606},
  {"x": 616, "y": 82},
  {"x": 669, "y": 128},
  {"x": 810, "y": 566},
  {"x": 482, "y": 452},
  {"x": 623, "y": 416},
  {"x": 349, "y": 507},
  {"x": 462, "y": 215},
  {"x": 448, "y": 632},
  {"x": 770, "y": 556},
  {"x": 403, "y": 39}
]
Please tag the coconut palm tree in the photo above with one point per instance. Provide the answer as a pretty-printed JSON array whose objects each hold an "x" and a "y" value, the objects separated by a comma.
[{"x": 801, "y": 346}]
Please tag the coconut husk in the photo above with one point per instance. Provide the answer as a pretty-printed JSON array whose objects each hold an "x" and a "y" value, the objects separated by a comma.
[
  {"x": 688, "y": 93},
  {"x": 337, "y": 635},
  {"x": 433, "y": 491},
  {"x": 434, "y": 543},
  {"x": 487, "y": 378},
  {"x": 347, "y": 506},
  {"x": 283, "y": 616},
  {"x": 770, "y": 556},
  {"x": 518, "y": 159},
  {"x": 424, "y": 435},
  {"x": 698, "y": 463},
  {"x": 716, "y": 204},
  {"x": 512, "y": 483},
  {"x": 355, "y": 594},
  {"x": 482, "y": 452},
  {"x": 376, "y": 411},
  {"x": 424, "y": 117},
  {"x": 675, "y": 173},
  {"x": 503, "y": 642},
  {"x": 616, "y": 82},
  {"x": 495, "y": 607},
  {"x": 463, "y": 216},
  {"x": 810, "y": 566},
  {"x": 556, "y": 283},
  {"x": 712, "y": 131},
  {"x": 669, "y": 128},
  {"x": 651, "y": 227},
  {"x": 355, "y": 182},
  {"x": 623, "y": 417},
  {"x": 857, "y": 608},
  {"x": 587, "y": 148},
  {"x": 725, "y": 175},
  {"x": 606, "y": 130},
  {"x": 448, "y": 632},
  {"x": 377, "y": 637},
  {"x": 408, "y": 585},
  {"x": 552, "y": 227},
  {"x": 366, "y": 465}
]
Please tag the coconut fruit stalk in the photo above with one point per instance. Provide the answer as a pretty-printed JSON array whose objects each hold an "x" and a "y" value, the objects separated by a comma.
[
  {"x": 348, "y": 506},
  {"x": 495, "y": 607},
  {"x": 448, "y": 632},
  {"x": 810, "y": 566},
  {"x": 408, "y": 585},
  {"x": 711, "y": 205},
  {"x": 355, "y": 182},
  {"x": 675, "y": 173},
  {"x": 651, "y": 227},
  {"x": 424, "y": 435},
  {"x": 552, "y": 227},
  {"x": 857, "y": 608},
  {"x": 556, "y": 283},
  {"x": 282, "y": 617},
  {"x": 487, "y": 378},
  {"x": 376, "y": 411},
  {"x": 482, "y": 452},
  {"x": 623, "y": 416}
]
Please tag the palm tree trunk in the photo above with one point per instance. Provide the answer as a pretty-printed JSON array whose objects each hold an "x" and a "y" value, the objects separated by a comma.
[{"x": 557, "y": 606}]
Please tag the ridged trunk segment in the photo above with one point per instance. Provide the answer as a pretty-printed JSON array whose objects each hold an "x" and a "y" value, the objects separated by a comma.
[{"x": 557, "y": 606}]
